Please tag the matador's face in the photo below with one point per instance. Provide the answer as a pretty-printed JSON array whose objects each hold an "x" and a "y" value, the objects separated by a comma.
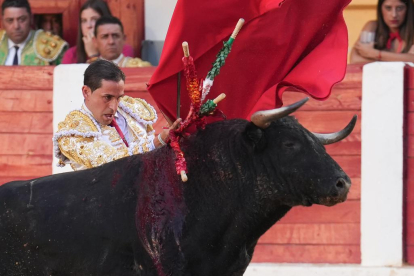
[{"x": 103, "y": 102}]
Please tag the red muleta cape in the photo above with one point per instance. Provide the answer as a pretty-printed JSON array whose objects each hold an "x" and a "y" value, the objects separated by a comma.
[{"x": 297, "y": 43}]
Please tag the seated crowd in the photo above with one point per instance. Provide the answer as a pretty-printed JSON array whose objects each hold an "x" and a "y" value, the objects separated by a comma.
[{"x": 100, "y": 36}]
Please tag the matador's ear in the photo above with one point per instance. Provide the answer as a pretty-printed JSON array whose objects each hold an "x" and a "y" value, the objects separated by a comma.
[{"x": 86, "y": 91}]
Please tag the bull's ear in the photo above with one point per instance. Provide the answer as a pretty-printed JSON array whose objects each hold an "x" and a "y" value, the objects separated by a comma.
[{"x": 256, "y": 136}]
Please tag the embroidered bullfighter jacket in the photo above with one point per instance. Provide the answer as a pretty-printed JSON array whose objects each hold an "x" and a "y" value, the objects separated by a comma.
[{"x": 84, "y": 143}]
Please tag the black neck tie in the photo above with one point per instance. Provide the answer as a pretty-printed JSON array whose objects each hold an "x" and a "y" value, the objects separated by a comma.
[{"x": 16, "y": 57}]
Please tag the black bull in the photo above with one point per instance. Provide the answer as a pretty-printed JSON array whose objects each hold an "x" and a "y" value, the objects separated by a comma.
[{"x": 134, "y": 216}]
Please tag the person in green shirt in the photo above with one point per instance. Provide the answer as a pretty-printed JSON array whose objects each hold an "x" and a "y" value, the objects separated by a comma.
[{"x": 19, "y": 45}]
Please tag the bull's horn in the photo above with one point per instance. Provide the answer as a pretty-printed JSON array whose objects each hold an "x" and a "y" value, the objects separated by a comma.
[
  {"x": 330, "y": 138},
  {"x": 263, "y": 118}
]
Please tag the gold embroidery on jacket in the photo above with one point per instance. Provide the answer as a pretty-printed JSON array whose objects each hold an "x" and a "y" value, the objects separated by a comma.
[{"x": 83, "y": 143}]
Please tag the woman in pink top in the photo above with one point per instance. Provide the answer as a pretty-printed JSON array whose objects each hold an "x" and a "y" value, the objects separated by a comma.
[{"x": 91, "y": 11}]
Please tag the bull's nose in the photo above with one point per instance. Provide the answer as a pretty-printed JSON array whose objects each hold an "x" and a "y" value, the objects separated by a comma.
[{"x": 342, "y": 185}]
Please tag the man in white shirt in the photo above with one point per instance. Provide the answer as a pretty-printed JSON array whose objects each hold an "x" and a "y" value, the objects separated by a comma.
[
  {"x": 19, "y": 45},
  {"x": 109, "y": 39}
]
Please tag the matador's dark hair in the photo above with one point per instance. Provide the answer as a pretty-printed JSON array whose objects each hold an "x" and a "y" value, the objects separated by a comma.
[{"x": 102, "y": 70}]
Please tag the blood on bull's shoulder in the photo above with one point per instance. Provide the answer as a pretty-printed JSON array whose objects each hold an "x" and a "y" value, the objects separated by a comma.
[{"x": 135, "y": 216}]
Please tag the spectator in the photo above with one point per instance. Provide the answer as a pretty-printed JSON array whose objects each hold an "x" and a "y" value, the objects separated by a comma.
[
  {"x": 390, "y": 37},
  {"x": 19, "y": 45},
  {"x": 110, "y": 39},
  {"x": 50, "y": 23},
  {"x": 85, "y": 48}
]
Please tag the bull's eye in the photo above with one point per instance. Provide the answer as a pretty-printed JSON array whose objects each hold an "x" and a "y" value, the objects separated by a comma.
[{"x": 289, "y": 144}]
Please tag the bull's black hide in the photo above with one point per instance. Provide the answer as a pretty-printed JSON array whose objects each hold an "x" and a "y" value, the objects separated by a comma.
[{"x": 134, "y": 216}]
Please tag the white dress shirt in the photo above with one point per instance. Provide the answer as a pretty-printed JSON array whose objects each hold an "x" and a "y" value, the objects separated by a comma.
[
  {"x": 116, "y": 61},
  {"x": 120, "y": 120},
  {"x": 12, "y": 51},
  {"x": 122, "y": 123}
]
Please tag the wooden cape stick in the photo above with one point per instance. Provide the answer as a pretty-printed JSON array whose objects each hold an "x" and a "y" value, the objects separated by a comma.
[
  {"x": 219, "y": 98},
  {"x": 237, "y": 28},
  {"x": 186, "y": 50},
  {"x": 178, "y": 94}
]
